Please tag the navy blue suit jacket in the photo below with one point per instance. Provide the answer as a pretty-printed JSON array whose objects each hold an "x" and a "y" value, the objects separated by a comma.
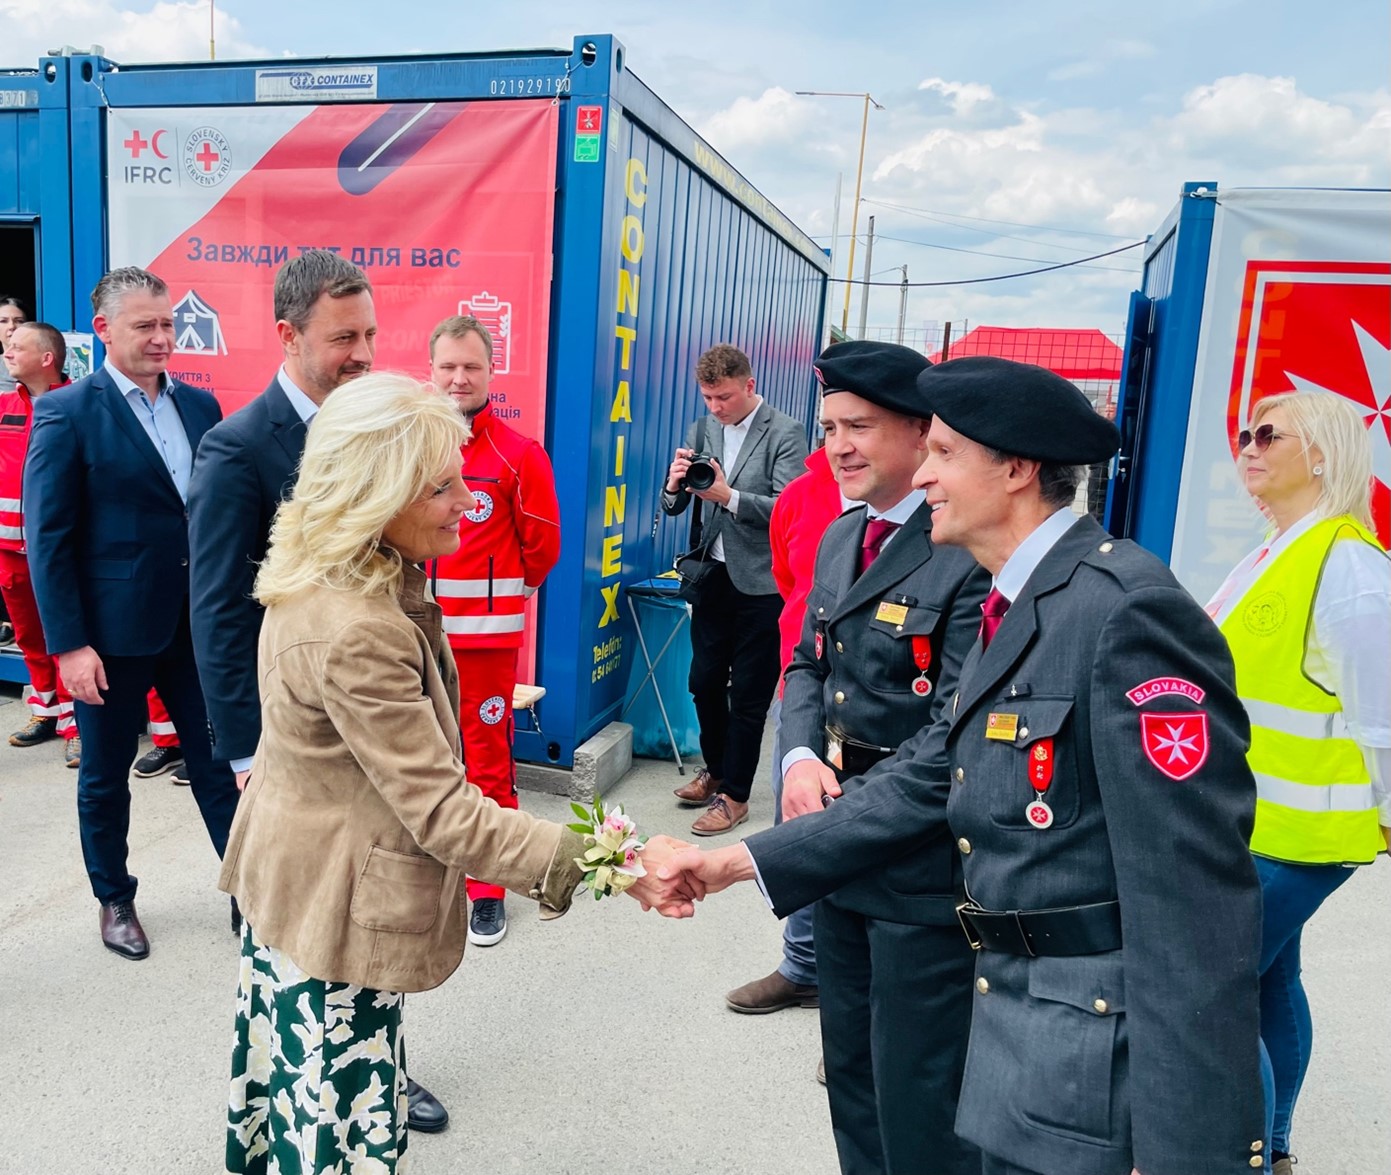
[
  {"x": 245, "y": 467},
  {"x": 106, "y": 529}
]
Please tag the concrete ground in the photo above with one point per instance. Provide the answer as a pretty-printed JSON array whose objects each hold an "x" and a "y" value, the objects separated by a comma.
[{"x": 599, "y": 1041}]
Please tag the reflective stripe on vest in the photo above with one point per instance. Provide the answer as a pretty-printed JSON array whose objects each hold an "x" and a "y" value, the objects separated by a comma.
[
  {"x": 1314, "y": 800},
  {"x": 477, "y": 589},
  {"x": 481, "y": 625}
]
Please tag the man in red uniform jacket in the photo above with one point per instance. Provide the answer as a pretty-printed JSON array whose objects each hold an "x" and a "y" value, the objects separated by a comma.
[
  {"x": 508, "y": 544},
  {"x": 34, "y": 356}
]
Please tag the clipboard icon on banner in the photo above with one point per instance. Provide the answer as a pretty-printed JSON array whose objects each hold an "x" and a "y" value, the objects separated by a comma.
[{"x": 496, "y": 315}]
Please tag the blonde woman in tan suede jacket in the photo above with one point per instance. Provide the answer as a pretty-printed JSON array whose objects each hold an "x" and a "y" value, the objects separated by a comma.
[{"x": 357, "y": 826}]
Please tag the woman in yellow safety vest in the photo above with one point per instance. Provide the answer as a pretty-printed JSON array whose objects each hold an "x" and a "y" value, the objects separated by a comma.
[{"x": 1308, "y": 618}]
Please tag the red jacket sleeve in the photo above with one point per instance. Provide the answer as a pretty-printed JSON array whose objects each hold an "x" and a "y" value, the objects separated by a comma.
[{"x": 538, "y": 515}]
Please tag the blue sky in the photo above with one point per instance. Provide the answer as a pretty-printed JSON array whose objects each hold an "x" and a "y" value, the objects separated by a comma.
[{"x": 1063, "y": 128}]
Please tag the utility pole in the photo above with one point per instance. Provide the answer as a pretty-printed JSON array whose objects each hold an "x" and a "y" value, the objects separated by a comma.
[
  {"x": 902, "y": 305},
  {"x": 212, "y": 30},
  {"x": 835, "y": 256},
  {"x": 864, "y": 289}
]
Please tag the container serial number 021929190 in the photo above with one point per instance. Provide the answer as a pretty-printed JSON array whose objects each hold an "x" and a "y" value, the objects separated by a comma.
[{"x": 501, "y": 87}]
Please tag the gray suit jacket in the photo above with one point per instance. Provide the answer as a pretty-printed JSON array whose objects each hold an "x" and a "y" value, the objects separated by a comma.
[
  {"x": 771, "y": 456},
  {"x": 854, "y": 668},
  {"x": 1146, "y": 1056}
]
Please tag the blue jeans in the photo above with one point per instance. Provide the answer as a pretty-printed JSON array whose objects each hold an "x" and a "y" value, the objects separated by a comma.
[
  {"x": 798, "y": 955},
  {"x": 1291, "y": 894}
]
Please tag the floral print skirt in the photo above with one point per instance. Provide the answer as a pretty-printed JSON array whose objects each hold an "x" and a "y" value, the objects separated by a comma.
[{"x": 318, "y": 1073}]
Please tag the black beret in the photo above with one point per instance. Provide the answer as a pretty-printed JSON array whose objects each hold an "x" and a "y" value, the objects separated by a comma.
[
  {"x": 882, "y": 373},
  {"x": 1019, "y": 409}
]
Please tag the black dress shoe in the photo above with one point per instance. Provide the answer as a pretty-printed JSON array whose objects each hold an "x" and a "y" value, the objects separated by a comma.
[
  {"x": 236, "y": 918},
  {"x": 426, "y": 1114},
  {"x": 121, "y": 931}
]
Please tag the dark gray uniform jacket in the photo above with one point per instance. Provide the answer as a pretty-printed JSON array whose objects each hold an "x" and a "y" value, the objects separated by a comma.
[
  {"x": 1146, "y": 1056},
  {"x": 854, "y": 669}
]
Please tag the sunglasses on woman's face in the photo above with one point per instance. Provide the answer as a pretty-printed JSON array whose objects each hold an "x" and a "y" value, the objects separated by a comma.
[{"x": 1262, "y": 434}]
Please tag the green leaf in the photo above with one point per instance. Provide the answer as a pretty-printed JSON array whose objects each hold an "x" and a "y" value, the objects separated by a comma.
[
  {"x": 582, "y": 829},
  {"x": 579, "y": 811}
]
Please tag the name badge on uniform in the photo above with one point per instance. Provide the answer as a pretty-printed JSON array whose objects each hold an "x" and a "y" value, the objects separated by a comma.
[
  {"x": 1002, "y": 726},
  {"x": 891, "y": 613}
]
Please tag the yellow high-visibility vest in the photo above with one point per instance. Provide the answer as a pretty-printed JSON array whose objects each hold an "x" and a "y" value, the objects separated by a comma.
[{"x": 1314, "y": 803}]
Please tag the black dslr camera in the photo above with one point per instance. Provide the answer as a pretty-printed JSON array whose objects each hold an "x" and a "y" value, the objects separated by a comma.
[{"x": 701, "y": 474}]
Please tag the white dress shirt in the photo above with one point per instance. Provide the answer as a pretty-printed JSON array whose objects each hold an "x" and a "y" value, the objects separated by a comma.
[
  {"x": 304, "y": 407},
  {"x": 162, "y": 424},
  {"x": 734, "y": 437}
]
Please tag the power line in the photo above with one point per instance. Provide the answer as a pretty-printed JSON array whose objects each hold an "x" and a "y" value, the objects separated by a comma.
[
  {"x": 972, "y": 281},
  {"x": 931, "y": 214},
  {"x": 983, "y": 253}
]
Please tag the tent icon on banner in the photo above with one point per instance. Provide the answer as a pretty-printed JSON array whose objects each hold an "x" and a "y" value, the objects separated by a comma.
[{"x": 197, "y": 330}]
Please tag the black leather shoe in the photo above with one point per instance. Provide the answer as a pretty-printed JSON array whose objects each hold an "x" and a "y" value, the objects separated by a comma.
[
  {"x": 236, "y": 918},
  {"x": 121, "y": 931},
  {"x": 426, "y": 1114}
]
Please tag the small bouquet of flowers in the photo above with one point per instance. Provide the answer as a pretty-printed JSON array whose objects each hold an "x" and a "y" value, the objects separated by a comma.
[{"x": 610, "y": 860}]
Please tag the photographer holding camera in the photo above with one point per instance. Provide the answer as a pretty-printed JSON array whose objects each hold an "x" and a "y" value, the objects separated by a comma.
[{"x": 734, "y": 601}]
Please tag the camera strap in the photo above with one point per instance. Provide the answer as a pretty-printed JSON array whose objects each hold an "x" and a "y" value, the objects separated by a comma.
[{"x": 698, "y": 506}]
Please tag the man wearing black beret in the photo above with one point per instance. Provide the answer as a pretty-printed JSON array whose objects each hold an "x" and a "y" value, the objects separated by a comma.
[
  {"x": 889, "y": 620},
  {"x": 1097, "y": 784}
]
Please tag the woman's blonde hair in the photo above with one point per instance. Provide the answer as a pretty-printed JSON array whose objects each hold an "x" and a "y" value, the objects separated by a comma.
[
  {"x": 1333, "y": 426},
  {"x": 374, "y": 448}
]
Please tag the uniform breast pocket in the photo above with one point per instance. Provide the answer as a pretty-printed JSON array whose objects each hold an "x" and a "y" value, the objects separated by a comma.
[
  {"x": 397, "y": 892},
  {"x": 898, "y": 634},
  {"x": 1028, "y": 757}
]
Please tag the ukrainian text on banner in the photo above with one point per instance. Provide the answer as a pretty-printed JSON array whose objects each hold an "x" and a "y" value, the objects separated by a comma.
[
  {"x": 448, "y": 206},
  {"x": 1298, "y": 298}
]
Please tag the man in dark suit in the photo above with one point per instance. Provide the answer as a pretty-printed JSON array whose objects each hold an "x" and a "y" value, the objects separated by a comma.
[
  {"x": 1093, "y": 768},
  {"x": 246, "y": 466},
  {"x": 890, "y": 619},
  {"x": 754, "y": 451},
  {"x": 106, "y": 481}
]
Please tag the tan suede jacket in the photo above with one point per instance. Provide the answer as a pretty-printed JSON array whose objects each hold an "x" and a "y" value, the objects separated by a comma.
[{"x": 351, "y": 841}]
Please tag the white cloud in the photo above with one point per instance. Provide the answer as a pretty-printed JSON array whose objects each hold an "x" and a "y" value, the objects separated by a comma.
[
  {"x": 963, "y": 96},
  {"x": 170, "y": 30},
  {"x": 1109, "y": 53},
  {"x": 774, "y": 117}
]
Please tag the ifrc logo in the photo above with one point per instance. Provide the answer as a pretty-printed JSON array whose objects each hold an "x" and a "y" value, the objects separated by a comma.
[
  {"x": 1175, "y": 743},
  {"x": 493, "y": 711},
  {"x": 207, "y": 157},
  {"x": 1319, "y": 326},
  {"x": 138, "y": 144},
  {"x": 482, "y": 507}
]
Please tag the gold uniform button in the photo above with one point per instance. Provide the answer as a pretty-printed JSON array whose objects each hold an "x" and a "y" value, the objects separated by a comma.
[
  {"x": 1105, "y": 548},
  {"x": 1257, "y": 1146},
  {"x": 983, "y": 985},
  {"x": 964, "y": 845},
  {"x": 840, "y": 648},
  {"x": 1101, "y": 1007},
  {"x": 960, "y": 774},
  {"x": 1256, "y": 1161},
  {"x": 840, "y": 697}
]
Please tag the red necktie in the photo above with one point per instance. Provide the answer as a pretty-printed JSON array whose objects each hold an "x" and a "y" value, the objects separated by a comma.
[
  {"x": 992, "y": 613},
  {"x": 876, "y": 531}
]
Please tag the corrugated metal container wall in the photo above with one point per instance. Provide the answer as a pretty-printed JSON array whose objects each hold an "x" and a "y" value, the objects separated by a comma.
[{"x": 685, "y": 265}]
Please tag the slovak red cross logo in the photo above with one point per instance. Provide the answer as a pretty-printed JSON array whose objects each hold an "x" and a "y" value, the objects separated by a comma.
[
  {"x": 1175, "y": 743},
  {"x": 1319, "y": 326},
  {"x": 493, "y": 710}
]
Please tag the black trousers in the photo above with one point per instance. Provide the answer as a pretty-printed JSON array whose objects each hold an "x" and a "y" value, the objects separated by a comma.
[
  {"x": 110, "y": 737},
  {"x": 734, "y": 671},
  {"x": 895, "y": 1020}
]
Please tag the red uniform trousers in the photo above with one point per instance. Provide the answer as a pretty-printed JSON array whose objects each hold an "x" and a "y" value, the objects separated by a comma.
[
  {"x": 162, "y": 731},
  {"x": 46, "y": 696},
  {"x": 487, "y": 678}
]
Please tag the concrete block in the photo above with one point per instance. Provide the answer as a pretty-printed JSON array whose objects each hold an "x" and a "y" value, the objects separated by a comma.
[{"x": 600, "y": 762}]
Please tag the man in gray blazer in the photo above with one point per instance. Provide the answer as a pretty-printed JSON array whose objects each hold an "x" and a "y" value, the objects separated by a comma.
[{"x": 753, "y": 451}]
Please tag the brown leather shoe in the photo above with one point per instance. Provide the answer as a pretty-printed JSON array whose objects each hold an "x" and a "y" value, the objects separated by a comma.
[
  {"x": 121, "y": 931},
  {"x": 722, "y": 815},
  {"x": 772, "y": 993},
  {"x": 700, "y": 791}
]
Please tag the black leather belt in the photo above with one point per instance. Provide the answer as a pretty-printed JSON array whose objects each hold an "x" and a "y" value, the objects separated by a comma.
[
  {"x": 1070, "y": 930},
  {"x": 856, "y": 757}
]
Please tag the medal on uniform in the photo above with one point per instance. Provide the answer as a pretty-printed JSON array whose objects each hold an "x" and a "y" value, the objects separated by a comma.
[
  {"x": 820, "y": 644},
  {"x": 1040, "y": 769},
  {"x": 922, "y": 658}
]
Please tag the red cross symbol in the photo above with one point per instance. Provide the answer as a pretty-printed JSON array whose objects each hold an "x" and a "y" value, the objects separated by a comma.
[
  {"x": 135, "y": 144},
  {"x": 207, "y": 156}
]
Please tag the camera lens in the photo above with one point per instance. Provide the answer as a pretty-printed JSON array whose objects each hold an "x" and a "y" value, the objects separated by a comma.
[{"x": 701, "y": 474}]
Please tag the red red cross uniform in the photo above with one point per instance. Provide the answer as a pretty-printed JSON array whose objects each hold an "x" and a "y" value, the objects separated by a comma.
[
  {"x": 45, "y": 696},
  {"x": 507, "y": 545}
]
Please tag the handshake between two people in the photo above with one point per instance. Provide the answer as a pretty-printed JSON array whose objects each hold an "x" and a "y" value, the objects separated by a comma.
[{"x": 677, "y": 874}]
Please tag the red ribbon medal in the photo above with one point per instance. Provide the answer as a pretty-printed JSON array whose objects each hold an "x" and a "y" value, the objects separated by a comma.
[
  {"x": 1037, "y": 812},
  {"x": 922, "y": 658}
]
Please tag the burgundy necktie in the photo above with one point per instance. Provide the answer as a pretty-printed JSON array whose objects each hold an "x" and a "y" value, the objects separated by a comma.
[
  {"x": 992, "y": 612},
  {"x": 876, "y": 531}
]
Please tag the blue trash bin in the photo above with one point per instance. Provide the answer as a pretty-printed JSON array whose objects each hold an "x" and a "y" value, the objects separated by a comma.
[{"x": 659, "y": 613}]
